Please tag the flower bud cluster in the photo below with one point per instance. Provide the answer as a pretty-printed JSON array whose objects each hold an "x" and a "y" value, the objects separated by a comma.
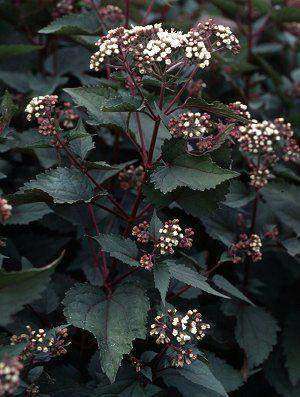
[
  {"x": 291, "y": 149},
  {"x": 5, "y": 210},
  {"x": 272, "y": 234},
  {"x": 177, "y": 331},
  {"x": 111, "y": 14},
  {"x": 258, "y": 137},
  {"x": 67, "y": 116},
  {"x": 189, "y": 125},
  {"x": 247, "y": 245},
  {"x": 42, "y": 109},
  {"x": 171, "y": 236},
  {"x": 240, "y": 109},
  {"x": 10, "y": 369},
  {"x": 64, "y": 7},
  {"x": 221, "y": 37},
  {"x": 259, "y": 177},
  {"x": 131, "y": 177},
  {"x": 146, "y": 262},
  {"x": 39, "y": 342},
  {"x": 141, "y": 232}
]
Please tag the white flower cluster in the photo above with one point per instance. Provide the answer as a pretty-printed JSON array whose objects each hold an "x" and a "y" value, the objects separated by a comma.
[
  {"x": 259, "y": 177},
  {"x": 40, "y": 106},
  {"x": 151, "y": 44},
  {"x": 190, "y": 125},
  {"x": 171, "y": 236},
  {"x": 109, "y": 46},
  {"x": 10, "y": 369},
  {"x": 255, "y": 243},
  {"x": 179, "y": 329},
  {"x": 195, "y": 49},
  {"x": 258, "y": 137},
  {"x": 225, "y": 37},
  {"x": 161, "y": 48}
]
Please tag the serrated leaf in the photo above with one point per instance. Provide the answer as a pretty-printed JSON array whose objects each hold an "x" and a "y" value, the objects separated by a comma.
[
  {"x": 226, "y": 286},
  {"x": 198, "y": 380},
  {"x": 23, "y": 287},
  {"x": 201, "y": 203},
  {"x": 81, "y": 142},
  {"x": 25, "y": 213},
  {"x": 119, "y": 247},
  {"x": 7, "y": 109},
  {"x": 104, "y": 104},
  {"x": 230, "y": 378},
  {"x": 115, "y": 322},
  {"x": 239, "y": 195},
  {"x": 64, "y": 185},
  {"x": 191, "y": 277},
  {"x": 155, "y": 225},
  {"x": 162, "y": 279},
  {"x": 221, "y": 225},
  {"x": 182, "y": 170},
  {"x": 216, "y": 108},
  {"x": 291, "y": 346},
  {"x": 83, "y": 23},
  {"x": 292, "y": 245},
  {"x": 256, "y": 333},
  {"x": 284, "y": 200}
]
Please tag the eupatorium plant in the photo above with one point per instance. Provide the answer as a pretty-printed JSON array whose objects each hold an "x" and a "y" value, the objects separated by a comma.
[{"x": 148, "y": 207}]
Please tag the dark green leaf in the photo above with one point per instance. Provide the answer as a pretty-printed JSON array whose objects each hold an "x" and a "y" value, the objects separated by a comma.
[
  {"x": 115, "y": 322},
  {"x": 182, "y": 170},
  {"x": 64, "y": 185},
  {"x": 256, "y": 333},
  {"x": 225, "y": 285},
  {"x": 120, "y": 248},
  {"x": 83, "y": 23},
  {"x": 21, "y": 288}
]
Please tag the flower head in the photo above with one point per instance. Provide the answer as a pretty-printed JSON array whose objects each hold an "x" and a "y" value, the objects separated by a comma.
[{"x": 5, "y": 209}]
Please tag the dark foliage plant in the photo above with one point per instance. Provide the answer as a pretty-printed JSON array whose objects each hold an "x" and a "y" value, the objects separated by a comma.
[{"x": 149, "y": 202}]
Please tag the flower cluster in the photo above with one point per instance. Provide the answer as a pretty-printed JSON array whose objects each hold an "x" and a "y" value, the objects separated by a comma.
[
  {"x": 42, "y": 109},
  {"x": 146, "y": 262},
  {"x": 38, "y": 342},
  {"x": 189, "y": 125},
  {"x": 259, "y": 176},
  {"x": 67, "y": 116},
  {"x": 240, "y": 109},
  {"x": 291, "y": 149},
  {"x": 247, "y": 245},
  {"x": 5, "y": 210},
  {"x": 141, "y": 232},
  {"x": 272, "y": 233},
  {"x": 258, "y": 137},
  {"x": 10, "y": 369},
  {"x": 219, "y": 37},
  {"x": 267, "y": 142},
  {"x": 131, "y": 177},
  {"x": 50, "y": 115},
  {"x": 64, "y": 7},
  {"x": 111, "y": 14},
  {"x": 177, "y": 331},
  {"x": 171, "y": 236},
  {"x": 154, "y": 49},
  {"x": 195, "y": 49}
]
